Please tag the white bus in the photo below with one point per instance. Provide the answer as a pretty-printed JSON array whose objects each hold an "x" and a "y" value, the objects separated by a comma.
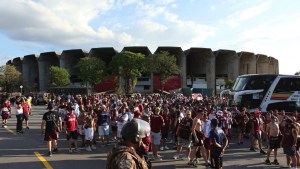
[{"x": 266, "y": 92}]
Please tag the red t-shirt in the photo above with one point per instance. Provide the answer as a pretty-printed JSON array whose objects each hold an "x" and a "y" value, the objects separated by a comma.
[
  {"x": 70, "y": 121},
  {"x": 5, "y": 106},
  {"x": 156, "y": 123},
  {"x": 25, "y": 107},
  {"x": 256, "y": 125}
]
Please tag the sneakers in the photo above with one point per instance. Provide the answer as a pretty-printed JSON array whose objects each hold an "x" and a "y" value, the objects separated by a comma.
[
  {"x": 176, "y": 157},
  {"x": 262, "y": 152},
  {"x": 5, "y": 126},
  {"x": 93, "y": 147},
  {"x": 166, "y": 148},
  {"x": 185, "y": 158},
  {"x": 27, "y": 127},
  {"x": 49, "y": 154},
  {"x": 55, "y": 150},
  {"x": 88, "y": 148},
  {"x": 252, "y": 149},
  {"x": 268, "y": 162},
  {"x": 70, "y": 150},
  {"x": 157, "y": 159},
  {"x": 275, "y": 162},
  {"x": 161, "y": 148},
  {"x": 76, "y": 150},
  {"x": 192, "y": 164}
]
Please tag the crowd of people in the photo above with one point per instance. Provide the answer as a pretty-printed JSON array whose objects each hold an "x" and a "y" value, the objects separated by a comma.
[{"x": 204, "y": 128}]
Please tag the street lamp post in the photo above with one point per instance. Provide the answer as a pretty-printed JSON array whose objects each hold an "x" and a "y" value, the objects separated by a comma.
[{"x": 21, "y": 87}]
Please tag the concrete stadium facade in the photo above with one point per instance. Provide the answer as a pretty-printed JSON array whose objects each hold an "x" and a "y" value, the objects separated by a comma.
[{"x": 201, "y": 67}]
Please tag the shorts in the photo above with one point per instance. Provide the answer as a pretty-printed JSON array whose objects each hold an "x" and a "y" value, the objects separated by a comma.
[
  {"x": 155, "y": 138},
  {"x": 207, "y": 143},
  {"x": 274, "y": 142},
  {"x": 26, "y": 117},
  {"x": 72, "y": 134},
  {"x": 218, "y": 162},
  {"x": 80, "y": 130},
  {"x": 4, "y": 114},
  {"x": 256, "y": 135},
  {"x": 298, "y": 143},
  {"x": 164, "y": 135},
  {"x": 89, "y": 134},
  {"x": 184, "y": 142},
  {"x": 119, "y": 132},
  {"x": 199, "y": 137},
  {"x": 289, "y": 151},
  {"x": 114, "y": 128},
  {"x": 51, "y": 136},
  {"x": 103, "y": 130}
]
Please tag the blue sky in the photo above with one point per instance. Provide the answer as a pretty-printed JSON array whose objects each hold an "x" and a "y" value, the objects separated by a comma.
[{"x": 270, "y": 27}]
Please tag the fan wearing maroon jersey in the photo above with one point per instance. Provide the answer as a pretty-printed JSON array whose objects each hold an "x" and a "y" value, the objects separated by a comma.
[{"x": 156, "y": 124}]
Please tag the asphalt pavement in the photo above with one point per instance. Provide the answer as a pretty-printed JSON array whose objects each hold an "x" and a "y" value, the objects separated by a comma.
[{"x": 29, "y": 151}]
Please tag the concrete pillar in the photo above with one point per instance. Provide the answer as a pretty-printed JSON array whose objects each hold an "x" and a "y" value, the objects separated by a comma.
[
  {"x": 181, "y": 60},
  {"x": 201, "y": 64},
  {"x": 45, "y": 61},
  {"x": 247, "y": 63},
  {"x": 104, "y": 54},
  {"x": 227, "y": 64},
  {"x": 17, "y": 62},
  {"x": 68, "y": 60},
  {"x": 272, "y": 65},
  {"x": 276, "y": 66},
  {"x": 30, "y": 73},
  {"x": 262, "y": 64}
]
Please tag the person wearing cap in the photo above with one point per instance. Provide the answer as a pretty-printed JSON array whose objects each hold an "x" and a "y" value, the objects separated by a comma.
[
  {"x": 256, "y": 132},
  {"x": 53, "y": 123},
  {"x": 289, "y": 142},
  {"x": 274, "y": 140},
  {"x": 218, "y": 144},
  {"x": 125, "y": 155}
]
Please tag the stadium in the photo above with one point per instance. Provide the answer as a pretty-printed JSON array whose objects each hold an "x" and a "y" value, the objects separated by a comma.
[{"x": 201, "y": 67}]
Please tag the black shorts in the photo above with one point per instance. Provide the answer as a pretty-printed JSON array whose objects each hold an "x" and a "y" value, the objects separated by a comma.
[
  {"x": 298, "y": 144},
  {"x": 51, "y": 136},
  {"x": 218, "y": 162},
  {"x": 164, "y": 134},
  {"x": 25, "y": 116},
  {"x": 256, "y": 135},
  {"x": 199, "y": 137},
  {"x": 114, "y": 128},
  {"x": 274, "y": 142},
  {"x": 73, "y": 135}
]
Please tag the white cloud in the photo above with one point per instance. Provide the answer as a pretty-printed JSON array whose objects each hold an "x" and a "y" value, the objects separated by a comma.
[{"x": 237, "y": 17}]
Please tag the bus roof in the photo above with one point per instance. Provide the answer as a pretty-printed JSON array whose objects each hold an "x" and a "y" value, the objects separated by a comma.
[{"x": 274, "y": 75}]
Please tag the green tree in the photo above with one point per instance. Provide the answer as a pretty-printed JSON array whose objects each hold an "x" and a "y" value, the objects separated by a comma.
[
  {"x": 229, "y": 84},
  {"x": 297, "y": 73},
  {"x": 91, "y": 70},
  {"x": 128, "y": 66},
  {"x": 163, "y": 64},
  {"x": 59, "y": 77},
  {"x": 9, "y": 77}
]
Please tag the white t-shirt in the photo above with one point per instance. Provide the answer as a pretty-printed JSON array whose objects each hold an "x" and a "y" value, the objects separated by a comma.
[{"x": 125, "y": 118}]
